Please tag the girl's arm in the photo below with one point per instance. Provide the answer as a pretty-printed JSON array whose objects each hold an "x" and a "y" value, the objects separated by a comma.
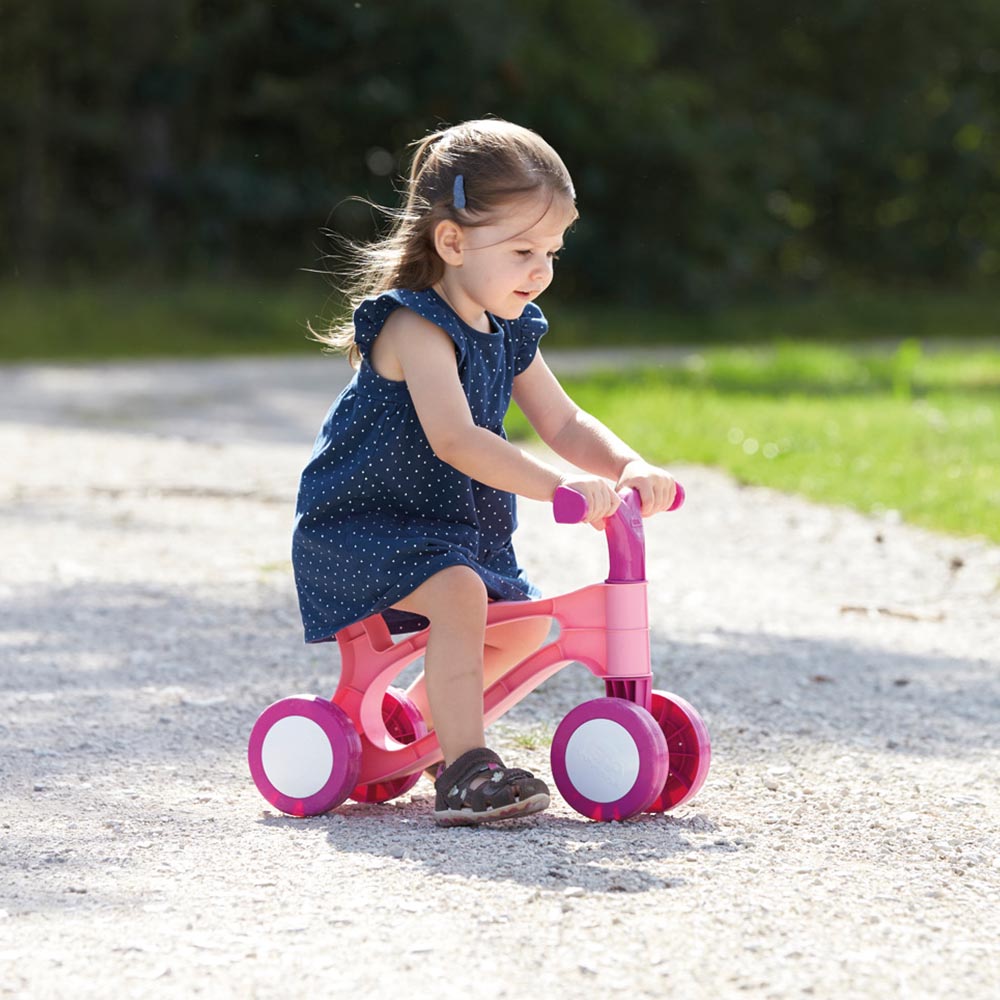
[
  {"x": 583, "y": 440},
  {"x": 426, "y": 358}
]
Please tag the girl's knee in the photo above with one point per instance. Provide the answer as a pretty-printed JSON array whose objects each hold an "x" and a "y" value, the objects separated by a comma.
[
  {"x": 456, "y": 589},
  {"x": 462, "y": 580}
]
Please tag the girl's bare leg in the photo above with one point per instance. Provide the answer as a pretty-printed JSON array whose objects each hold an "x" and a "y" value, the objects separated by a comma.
[
  {"x": 511, "y": 642},
  {"x": 454, "y": 601},
  {"x": 505, "y": 645},
  {"x": 462, "y": 659}
]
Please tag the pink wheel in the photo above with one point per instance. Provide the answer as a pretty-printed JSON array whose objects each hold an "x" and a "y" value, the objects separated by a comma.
[
  {"x": 689, "y": 746},
  {"x": 609, "y": 759},
  {"x": 405, "y": 724},
  {"x": 304, "y": 755}
]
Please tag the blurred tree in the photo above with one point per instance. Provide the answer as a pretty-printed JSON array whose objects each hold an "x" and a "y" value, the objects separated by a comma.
[{"x": 719, "y": 148}]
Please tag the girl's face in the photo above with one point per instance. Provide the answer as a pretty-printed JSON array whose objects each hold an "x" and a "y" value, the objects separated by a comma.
[{"x": 505, "y": 265}]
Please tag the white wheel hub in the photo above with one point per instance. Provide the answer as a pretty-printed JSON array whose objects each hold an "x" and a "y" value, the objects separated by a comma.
[
  {"x": 602, "y": 760},
  {"x": 297, "y": 757}
]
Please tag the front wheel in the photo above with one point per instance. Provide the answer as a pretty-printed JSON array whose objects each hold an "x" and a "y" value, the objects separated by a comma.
[
  {"x": 304, "y": 755},
  {"x": 609, "y": 759},
  {"x": 689, "y": 746}
]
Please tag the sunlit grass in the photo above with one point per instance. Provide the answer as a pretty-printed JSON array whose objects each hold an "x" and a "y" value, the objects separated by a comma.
[
  {"x": 903, "y": 431},
  {"x": 841, "y": 316}
]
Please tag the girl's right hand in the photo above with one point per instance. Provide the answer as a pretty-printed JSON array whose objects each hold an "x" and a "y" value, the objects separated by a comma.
[{"x": 602, "y": 500}]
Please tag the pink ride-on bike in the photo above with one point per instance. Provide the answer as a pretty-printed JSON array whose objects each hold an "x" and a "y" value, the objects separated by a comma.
[{"x": 634, "y": 750}]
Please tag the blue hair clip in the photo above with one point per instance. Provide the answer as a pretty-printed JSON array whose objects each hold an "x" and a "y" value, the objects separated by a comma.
[{"x": 458, "y": 192}]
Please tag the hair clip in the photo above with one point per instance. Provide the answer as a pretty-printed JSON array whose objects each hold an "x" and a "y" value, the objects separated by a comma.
[{"x": 458, "y": 192}]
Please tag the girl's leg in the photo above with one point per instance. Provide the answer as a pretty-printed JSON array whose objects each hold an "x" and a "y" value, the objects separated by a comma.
[
  {"x": 505, "y": 646},
  {"x": 475, "y": 786},
  {"x": 454, "y": 601},
  {"x": 511, "y": 642}
]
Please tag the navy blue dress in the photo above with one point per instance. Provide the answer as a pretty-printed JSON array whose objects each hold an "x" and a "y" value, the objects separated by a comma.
[{"x": 378, "y": 513}]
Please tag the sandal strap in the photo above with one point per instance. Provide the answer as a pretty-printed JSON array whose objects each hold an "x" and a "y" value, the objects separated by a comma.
[
  {"x": 505, "y": 785},
  {"x": 516, "y": 774},
  {"x": 453, "y": 781}
]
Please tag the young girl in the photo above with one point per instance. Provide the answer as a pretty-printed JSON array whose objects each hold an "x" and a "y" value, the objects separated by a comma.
[{"x": 407, "y": 505}]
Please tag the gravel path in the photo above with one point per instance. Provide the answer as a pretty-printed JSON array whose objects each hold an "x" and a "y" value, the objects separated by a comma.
[{"x": 847, "y": 843}]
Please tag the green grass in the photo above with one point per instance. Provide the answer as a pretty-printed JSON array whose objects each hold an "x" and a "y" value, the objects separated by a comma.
[
  {"x": 906, "y": 431},
  {"x": 92, "y": 321},
  {"x": 843, "y": 317}
]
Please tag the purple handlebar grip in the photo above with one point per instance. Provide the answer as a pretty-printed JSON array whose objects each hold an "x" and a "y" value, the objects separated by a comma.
[{"x": 570, "y": 507}]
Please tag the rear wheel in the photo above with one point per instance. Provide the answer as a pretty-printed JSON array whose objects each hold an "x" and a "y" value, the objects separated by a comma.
[
  {"x": 304, "y": 755},
  {"x": 405, "y": 725},
  {"x": 689, "y": 746},
  {"x": 609, "y": 759}
]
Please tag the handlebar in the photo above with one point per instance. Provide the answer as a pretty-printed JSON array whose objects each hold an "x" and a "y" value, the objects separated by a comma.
[
  {"x": 626, "y": 539},
  {"x": 570, "y": 507}
]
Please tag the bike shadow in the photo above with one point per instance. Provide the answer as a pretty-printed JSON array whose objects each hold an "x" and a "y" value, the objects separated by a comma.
[{"x": 551, "y": 851}]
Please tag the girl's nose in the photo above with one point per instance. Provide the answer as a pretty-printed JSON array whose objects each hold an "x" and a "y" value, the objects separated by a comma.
[{"x": 542, "y": 271}]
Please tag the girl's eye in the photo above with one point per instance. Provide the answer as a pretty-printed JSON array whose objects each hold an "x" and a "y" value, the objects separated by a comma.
[{"x": 554, "y": 255}]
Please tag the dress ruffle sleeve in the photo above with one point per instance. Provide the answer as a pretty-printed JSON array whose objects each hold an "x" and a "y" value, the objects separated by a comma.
[
  {"x": 530, "y": 329},
  {"x": 370, "y": 317}
]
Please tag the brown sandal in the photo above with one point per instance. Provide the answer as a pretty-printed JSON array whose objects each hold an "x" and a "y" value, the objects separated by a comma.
[{"x": 506, "y": 792}]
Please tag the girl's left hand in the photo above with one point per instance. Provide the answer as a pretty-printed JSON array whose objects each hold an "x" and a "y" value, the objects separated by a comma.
[{"x": 656, "y": 487}]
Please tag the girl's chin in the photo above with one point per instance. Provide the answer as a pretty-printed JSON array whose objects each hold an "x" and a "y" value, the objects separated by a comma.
[{"x": 512, "y": 310}]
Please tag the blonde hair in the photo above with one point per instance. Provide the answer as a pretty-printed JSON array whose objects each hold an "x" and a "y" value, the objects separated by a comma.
[{"x": 499, "y": 162}]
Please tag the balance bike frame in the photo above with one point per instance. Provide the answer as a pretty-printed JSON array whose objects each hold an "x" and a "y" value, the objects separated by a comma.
[{"x": 604, "y": 626}]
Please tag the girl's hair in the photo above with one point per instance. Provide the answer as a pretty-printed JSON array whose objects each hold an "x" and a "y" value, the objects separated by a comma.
[{"x": 498, "y": 161}]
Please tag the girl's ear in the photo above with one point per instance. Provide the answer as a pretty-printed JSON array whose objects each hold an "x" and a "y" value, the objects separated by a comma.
[{"x": 448, "y": 242}]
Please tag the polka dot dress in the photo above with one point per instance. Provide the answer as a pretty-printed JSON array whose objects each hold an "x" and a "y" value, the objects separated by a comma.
[{"x": 378, "y": 513}]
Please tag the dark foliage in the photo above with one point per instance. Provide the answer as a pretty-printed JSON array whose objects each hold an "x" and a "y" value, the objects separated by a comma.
[{"x": 719, "y": 148}]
